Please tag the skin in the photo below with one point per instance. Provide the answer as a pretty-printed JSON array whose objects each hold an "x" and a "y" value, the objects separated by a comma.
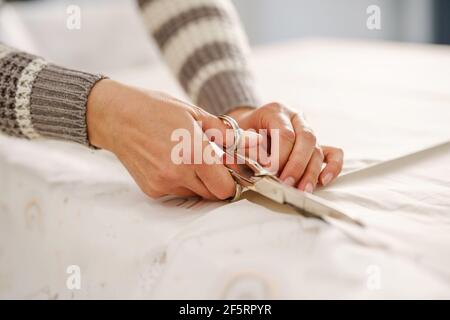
[
  {"x": 300, "y": 158},
  {"x": 136, "y": 126}
]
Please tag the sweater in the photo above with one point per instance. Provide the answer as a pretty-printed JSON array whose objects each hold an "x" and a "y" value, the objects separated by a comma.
[{"x": 201, "y": 41}]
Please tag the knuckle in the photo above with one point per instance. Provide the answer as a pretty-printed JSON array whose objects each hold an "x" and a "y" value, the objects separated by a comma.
[
  {"x": 151, "y": 192},
  {"x": 225, "y": 191},
  {"x": 203, "y": 170},
  {"x": 274, "y": 107},
  {"x": 167, "y": 174},
  {"x": 208, "y": 196},
  {"x": 223, "y": 196},
  {"x": 314, "y": 169},
  {"x": 295, "y": 173},
  {"x": 315, "y": 173},
  {"x": 158, "y": 179},
  {"x": 298, "y": 160},
  {"x": 318, "y": 150},
  {"x": 312, "y": 176},
  {"x": 300, "y": 169},
  {"x": 309, "y": 136},
  {"x": 287, "y": 135}
]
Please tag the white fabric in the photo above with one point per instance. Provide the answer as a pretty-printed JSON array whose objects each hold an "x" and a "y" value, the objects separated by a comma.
[
  {"x": 114, "y": 27},
  {"x": 61, "y": 204}
]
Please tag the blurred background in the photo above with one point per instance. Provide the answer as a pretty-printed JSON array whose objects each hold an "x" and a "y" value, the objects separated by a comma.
[
  {"x": 401, "y": 20},
  {"x": 114, "y": 26}
]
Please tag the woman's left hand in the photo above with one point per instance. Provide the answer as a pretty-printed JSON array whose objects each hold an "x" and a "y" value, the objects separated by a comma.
[{"x": 299, "y": 157}]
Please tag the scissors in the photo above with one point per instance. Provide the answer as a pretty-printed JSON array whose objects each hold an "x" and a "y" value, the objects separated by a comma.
[{"x": 250, "y": 175}]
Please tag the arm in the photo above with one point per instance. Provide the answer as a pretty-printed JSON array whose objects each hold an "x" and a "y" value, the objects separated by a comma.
[
  {"x": 203, "y": 44},
  {"x": 38, "y": 98}
]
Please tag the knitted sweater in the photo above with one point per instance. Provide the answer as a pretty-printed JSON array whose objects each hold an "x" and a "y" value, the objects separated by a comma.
[{"x": 200, "y": 40}]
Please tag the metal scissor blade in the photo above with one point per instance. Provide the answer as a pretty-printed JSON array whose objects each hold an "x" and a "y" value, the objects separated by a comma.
[{"x": 277, "y": 191}]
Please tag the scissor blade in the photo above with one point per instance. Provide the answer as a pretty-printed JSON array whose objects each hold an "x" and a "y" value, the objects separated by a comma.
[{"x": 279, "y": 192}]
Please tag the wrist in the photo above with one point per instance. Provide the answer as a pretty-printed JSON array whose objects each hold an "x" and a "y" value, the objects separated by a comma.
[{"x": 100, "y": 114}]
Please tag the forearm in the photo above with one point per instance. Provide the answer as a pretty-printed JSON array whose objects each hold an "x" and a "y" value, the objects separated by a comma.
[
  {"x": 203, "y": 43},
  {"x": 38, "y": 98}
]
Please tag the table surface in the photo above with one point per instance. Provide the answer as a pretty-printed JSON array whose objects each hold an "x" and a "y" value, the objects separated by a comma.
[{"x": 62, "y": 205}]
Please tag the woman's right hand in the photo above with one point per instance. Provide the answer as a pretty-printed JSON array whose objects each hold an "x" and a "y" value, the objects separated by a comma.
[{"x": 137, "y": 125}]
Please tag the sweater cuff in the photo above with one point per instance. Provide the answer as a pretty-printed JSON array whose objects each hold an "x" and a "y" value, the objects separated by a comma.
[{"x": 58, "y": 103}]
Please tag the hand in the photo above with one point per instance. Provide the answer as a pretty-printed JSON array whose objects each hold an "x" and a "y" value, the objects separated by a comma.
[
  {"x": 299, "y": 157},
  {"x": 137, "y": 126}
]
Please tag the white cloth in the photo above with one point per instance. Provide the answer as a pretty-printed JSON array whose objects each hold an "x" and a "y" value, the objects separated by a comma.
[{"x": 62, "y": 205}]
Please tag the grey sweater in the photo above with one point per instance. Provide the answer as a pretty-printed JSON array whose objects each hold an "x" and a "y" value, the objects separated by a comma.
[{"x": 201, "y": 41}]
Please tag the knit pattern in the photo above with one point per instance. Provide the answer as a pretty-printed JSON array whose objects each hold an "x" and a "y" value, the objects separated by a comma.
[
  {"x": 11, "y": 68},
  {"x": 40, "y": 99},
  {"x": 23, "y": 95},
  {"x": 204, "y": 45},
  {"x": 58, "y": 103},
  {"x": 201, "y": 40}
]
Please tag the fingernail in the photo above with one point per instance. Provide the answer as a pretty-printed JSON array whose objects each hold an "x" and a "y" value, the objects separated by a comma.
[
  {"x": 326, "y": 180},
  {"x": 309, "y": 188},
  {"x": 289, "y": 181}
]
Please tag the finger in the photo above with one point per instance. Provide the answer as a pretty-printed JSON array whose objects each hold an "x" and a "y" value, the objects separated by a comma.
[
  {"x": 184, "y": 183},
  {"x": 198, "y": 187},
  {"x": 250, "y": 139},
  {"x": 222, "y": 134},
  {"x": 254, "y": 146},
  {"x": 214, "y": 128},
  {"x": 213, "y": 174},
  {"x": 334, "y": 159},
  {"x": 152, "y": 193},
  {"x": 183, "y": 192},
  {"x": 264, "y": 150},
  {"x": 217, "y": 180},
  {"x": 300, "y": 156},
  {"x": 217, "y": 130},
  {"x": 310, "y": 177},
  {"x": 282, "y": 141}
]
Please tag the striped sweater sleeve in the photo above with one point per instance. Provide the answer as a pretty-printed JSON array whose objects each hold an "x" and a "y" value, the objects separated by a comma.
[
  {"x": 203, "y": 43},
  {"x": 41, "y": 99}
]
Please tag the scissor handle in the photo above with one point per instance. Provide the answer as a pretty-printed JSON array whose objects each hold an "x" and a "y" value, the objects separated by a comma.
[
  {"x": 249, "y": 170},
  {"x": 232, "y": 151},
  {"x": 237, "y": 134}
]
